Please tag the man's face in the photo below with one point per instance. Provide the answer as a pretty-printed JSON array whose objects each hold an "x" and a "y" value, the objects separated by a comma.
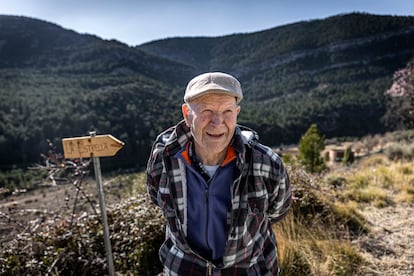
[{"x": 212, "y": 119}]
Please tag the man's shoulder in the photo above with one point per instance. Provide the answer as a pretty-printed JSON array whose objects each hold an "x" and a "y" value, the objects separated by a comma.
[
  {"x": 174, "y": 138},
  {"x": 248, "y": 135},
  {"x": 264, "y": 150},
  {"x": 251, "y": 138}
]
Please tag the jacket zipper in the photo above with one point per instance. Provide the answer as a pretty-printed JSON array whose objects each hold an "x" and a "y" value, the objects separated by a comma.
[
  {"x": 207, "y": 214},
  {"x": 209, "y": 269},
  {"x": 209, "y": 265}
]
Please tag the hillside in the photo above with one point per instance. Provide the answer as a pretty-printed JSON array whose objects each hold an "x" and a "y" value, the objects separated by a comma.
[
  {"x": 332, "y": 71},
  {"x": 57, "y": 83}
]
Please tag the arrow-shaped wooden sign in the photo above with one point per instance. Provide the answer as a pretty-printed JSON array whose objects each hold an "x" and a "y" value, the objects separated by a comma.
[{"x": 91, "y": 146}]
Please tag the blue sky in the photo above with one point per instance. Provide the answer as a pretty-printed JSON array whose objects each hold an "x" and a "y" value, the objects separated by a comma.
[{"x": 137, "y": 21}]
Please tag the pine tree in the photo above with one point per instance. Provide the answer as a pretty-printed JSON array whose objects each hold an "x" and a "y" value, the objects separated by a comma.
[
  {"x": 348, "y": 156},
  {"x": 310, "y": 147}
]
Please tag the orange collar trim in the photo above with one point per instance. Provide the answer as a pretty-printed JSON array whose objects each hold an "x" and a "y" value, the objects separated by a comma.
[
  {"x": 185, "y": 154},
  {"x": 231, "y": 155}
]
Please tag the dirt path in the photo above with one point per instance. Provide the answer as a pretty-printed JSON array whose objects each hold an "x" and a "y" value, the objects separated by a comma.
[{"x": 390, "y": 244}]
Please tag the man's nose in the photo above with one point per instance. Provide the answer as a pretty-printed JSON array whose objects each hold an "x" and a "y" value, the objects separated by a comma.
[{"x": 217, "y": 118}]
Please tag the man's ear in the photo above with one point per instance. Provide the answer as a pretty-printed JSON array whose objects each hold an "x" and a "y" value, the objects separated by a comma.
[{"x": 185, "y": 109}]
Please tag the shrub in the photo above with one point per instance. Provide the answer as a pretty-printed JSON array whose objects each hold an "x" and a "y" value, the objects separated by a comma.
[
  {"x": 314, "y": 205},
  {"x": 397, "y": 152},
  {"x": 336, "y": 181},
  {"x": 136, "y": 228}
]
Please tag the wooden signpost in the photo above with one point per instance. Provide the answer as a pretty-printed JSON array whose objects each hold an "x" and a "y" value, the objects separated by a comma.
[
  {"x": 91, "y": 146},
  {"x": 95, "y": 146}
]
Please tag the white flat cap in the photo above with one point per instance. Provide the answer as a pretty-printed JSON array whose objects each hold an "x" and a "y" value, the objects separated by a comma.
[{"x": 213, "y": 82}]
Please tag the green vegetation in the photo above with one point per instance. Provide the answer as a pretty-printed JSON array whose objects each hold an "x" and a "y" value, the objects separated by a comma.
[
  {"x": 349, "y": 156},
  {"x": 311, "y": 146},
  {"x": 32, "y": 114},
  {"x": 20, "y": 179},
  {"x": 55, "y": 83}
]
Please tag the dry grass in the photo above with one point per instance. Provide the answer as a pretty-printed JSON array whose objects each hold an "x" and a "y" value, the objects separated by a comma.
[
  {"x": 311, "y": 251},
  {"x": 316, "y": 236},
  {"x": 377, "y": 181},
  {"x": 319, "y": 235}
]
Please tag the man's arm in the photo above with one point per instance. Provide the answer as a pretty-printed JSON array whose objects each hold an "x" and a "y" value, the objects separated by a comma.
[
  {"x": 154, "y": 170},
  {"x": 280, "y": 192}
]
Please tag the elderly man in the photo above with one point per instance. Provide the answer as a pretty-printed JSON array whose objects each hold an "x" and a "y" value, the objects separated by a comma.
[{"x": 218, "y": 187}]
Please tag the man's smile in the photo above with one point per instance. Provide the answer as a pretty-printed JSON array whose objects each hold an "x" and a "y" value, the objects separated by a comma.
[{"x": 215, "y": 135}]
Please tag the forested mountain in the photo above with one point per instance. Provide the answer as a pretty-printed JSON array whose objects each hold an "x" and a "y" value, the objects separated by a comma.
[
  {"x": 56, "y": 83},
  {"x": 332, "y": 71}
]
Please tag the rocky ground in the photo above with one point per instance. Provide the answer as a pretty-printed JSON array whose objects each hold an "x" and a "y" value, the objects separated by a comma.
[{"x": 390, "y": 244}]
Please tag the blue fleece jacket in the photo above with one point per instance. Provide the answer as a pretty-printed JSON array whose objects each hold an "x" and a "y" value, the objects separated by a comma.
[{"x": 207, "y": 206}]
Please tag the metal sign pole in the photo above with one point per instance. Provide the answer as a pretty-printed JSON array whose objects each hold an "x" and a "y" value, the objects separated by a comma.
[
  {"x": 93, "y": 147},
  {"x": 97, "y": 167}
]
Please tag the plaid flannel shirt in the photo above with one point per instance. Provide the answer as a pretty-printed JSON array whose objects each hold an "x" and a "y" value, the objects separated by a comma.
[{"x": 260, "y": 196}]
